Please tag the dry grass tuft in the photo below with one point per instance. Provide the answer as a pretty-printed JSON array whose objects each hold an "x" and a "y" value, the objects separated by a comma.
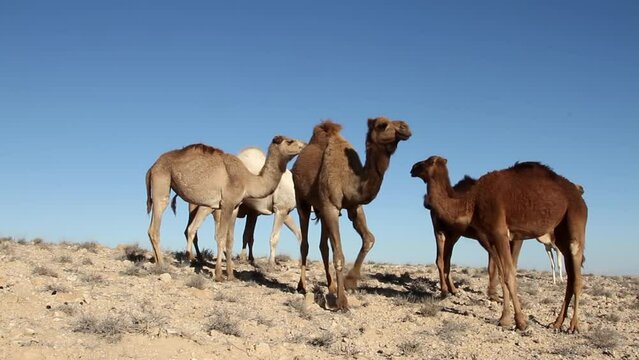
[
  {"x": 604, "y": 338},
  {"x": 111, "y": 327},
  {"x": 93, "y": 279},
  {"x": 90, "y": 246},
  {"x": 44, "y": 271},
  {"x": 64, "y": 259},
  {"x": 134, "y": 253},
  {"x": 300, "y": 306},
  {"x": 282, "y": 258},
  {"x": 56, "y": 288},
  {"x": 87, "y": 261},
  {"x": 409, "y": 347},
  {"x": 135, "y": 270},
  {"x": 325, "y": 339},
  {"x": 223, "y": 323},
  {"x": 197, "y": 281}
]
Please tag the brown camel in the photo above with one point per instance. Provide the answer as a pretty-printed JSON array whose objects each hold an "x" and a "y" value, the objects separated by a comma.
[
  {"x": 329, "y": 176},
  {"x": 524, "y": 201},
  {"x": 213, "y": 180},
  {"x": 446, "y": 237}
]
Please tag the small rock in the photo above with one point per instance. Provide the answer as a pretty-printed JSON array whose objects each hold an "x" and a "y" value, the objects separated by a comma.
[
  {"x": 262, "y": 350},
  {"x": 166, "y": 277},
  {"x": 29, "y": 331}
]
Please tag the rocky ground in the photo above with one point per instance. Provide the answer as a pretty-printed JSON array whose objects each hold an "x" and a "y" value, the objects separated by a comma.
[{"x": 63, "y": 301}]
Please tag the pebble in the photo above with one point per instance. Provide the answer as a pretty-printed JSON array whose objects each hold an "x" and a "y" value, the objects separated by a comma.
[
  {"x": 262, "y": 350},
  {"x": 166, "y": 277}
]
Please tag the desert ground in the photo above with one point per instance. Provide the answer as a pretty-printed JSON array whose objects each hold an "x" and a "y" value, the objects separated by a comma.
[{"x": 86, "y": 301}]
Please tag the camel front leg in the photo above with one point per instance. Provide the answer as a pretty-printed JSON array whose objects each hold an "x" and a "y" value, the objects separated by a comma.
[
  {"x": 230, "y": 234},
  {"x": 358, "y": 218},
  {"x": 278, "y": 221},
  {"x": 449, "y": 243},
  {"x": 248, "y": 236},
  {"x": 330, "y": 217},
  {"x": 303, "y": 211},
  {"x": 323, "y": 246},
  {"x": 508, "y": 271}
]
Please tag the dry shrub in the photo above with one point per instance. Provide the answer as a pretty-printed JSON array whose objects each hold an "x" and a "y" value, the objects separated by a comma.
[
  {"x": 197, "y": 281},
  {"x": 66, "y": 308},
  {"x": 111, "y": 327},
  {"x": 409, "y": 347},
  {"x": 90, "y": 246},
  {"x": 64, "y": 259},
  {"x": 452, "y": 331},
  {"x": 93, "y": 279},
  {"x": 222, "y": 322},
  {"x": 134, "y": 253},
  {"x": 87, "y": 261},
  {"x": 300, "y": 306},
  {"x": 44, "y": 271},
  {"x": 325, "y": 339},
  {"x": 135, "y": 270},
  {"x": 604, "y": 338},
  {"x": 282, "y": 258},
  {"x": 56, "y": 288},
  {"x": 429, "y": 309}
]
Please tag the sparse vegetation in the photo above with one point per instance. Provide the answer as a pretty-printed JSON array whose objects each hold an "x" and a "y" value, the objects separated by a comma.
[
  {"x": 300, "y": 306},
  {"x": 135, "y": 270},
  {"x": 429, "y": 309},
  {"x": 56, "y": 288},
  {"x": 111, "y": 327},
  {"x": 87, "y": 261},
  {"x": 90, "y": 246},
  {"x": 325, "y": 339},
  {"x": 92, "y": 278},
  {"x": 452, "y": 331},
  {"x": 409, "y": 347},
  {"x": 222, "y": 322},
  {"x": 64, "y": 259},
  {"x": 44, "y": 271},
  {"x": 197, "y": 281},
  {"x": 600, "y": 291},
  {"x": 134, "y": 253},
  {"x": 604, "y": 338},
  {"x": 281, "y": 258}
]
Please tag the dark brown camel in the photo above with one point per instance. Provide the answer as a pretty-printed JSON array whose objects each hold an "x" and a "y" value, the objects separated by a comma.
[
  {"x": 329, "y": 177},
  {"x": 446, "y": 237},
  {"x": 522, "y": 202}
]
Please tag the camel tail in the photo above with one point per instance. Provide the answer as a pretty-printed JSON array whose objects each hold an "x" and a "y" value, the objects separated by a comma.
[
  {"x": 149, "y": 200},
  {"x": 173, "y": 205}
]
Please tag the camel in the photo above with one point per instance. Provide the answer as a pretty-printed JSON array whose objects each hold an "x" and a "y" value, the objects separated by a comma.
[
  {"x": 280, "y": 203},
  {"x": 213, "y": 180},
  {"x": 524, "y": 201},
  {"x": 328, "y": 177},
  {"x": 446, "y": 237}
]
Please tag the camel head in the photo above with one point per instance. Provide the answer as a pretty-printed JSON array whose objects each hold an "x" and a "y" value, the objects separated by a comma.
[
  {"x": 388, "y": 133},
  {"x": 287, "y": 147},
  {"x": 428, "y": 168}
]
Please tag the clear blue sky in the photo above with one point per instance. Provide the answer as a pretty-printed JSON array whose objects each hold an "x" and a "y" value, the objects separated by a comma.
[{"x": 91, "y": 94}]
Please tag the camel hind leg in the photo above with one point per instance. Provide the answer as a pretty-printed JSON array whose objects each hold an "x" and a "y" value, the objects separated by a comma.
[
  {"x": 304, "y": 212},
  {"x": 248, "y": 236},
  {"x": 368, "y": 240},
  {"x": 160, "y": 188},
  {"x": 323, "y": 246},
  {"x": 508, "y": 272},
  {"x": 196, "y": 218},
  {"x": 278, "y": 221},
  {"x": 570, "y": 239}
]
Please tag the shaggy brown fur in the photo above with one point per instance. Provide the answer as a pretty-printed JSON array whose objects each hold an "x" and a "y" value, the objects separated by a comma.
[
  {"x": 328, "y": 177},
  {"x": 525, "y": 201}
]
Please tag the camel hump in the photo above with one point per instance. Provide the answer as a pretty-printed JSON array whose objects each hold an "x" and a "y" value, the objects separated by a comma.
[
  {"x": 328, "y": 128},
  {"x": 203, "y": 148},
  {"x": 465, "y": 184}
]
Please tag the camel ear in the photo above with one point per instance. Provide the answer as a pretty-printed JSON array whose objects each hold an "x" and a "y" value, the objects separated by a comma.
[
  {"x": 371, "y": 122},
  {"x": 278, "y": 139},
  {"x": 440, "y": 160}
]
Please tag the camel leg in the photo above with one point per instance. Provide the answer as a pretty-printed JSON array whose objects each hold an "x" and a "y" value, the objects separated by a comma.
[
  {"x": 192, "y": 211},
  {"x": 358, "y": 218},
  {"x": 195, "y": 221},
  {"x": 160, "y": 189},
  {"x": 507, "y": 266},
  {"x": 449, "y": 243},
  {"x": 493, "y": 279},
  {"x": 552, "y": 262},
  {"x": 304, "y": 212},
  {"x": 440, "y": 239},
  {"x": 571, "y": 245},
  {"x": 560, "y": 261},
  {"x": 278, "y": 221},
  {"x": 330, "y": 217},
  {"x": 323, "y": 246},
  {"x": 248, "y": 236},
  {"x": 230, "y": 232},
  {"x": 291, "y": 225},
  {"x": 220, "y": 240}
]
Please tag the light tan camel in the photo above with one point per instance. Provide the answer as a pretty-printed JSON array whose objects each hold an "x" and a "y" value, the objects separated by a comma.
[
  {"x": 280, "y": 203},
  {"x": 494, "y": 209},
  {"x": 329, "y": 177},
  {"x": 212, "y": 179}
]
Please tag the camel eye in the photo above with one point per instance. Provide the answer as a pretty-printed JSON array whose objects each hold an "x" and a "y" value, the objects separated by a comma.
[{"x": 289, "y": 142}]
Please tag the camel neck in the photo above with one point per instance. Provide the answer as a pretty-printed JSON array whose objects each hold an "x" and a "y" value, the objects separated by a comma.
[
  {"x": 450, "y": 207},
  {"x": 377, "y": 162},
  {"x": 266, "y": 181}
]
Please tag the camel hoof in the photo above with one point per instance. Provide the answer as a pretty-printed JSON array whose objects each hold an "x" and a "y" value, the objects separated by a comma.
[
  {"x": 243, "y": 255},
  {"x": 521, "y": 324},
  {"x": 505, "y": 322},
  {"x": 342, "y": 304},
  {"x": 219, "y": 278}
]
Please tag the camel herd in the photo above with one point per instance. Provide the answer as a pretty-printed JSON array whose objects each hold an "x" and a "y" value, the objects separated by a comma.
[{"x": 500, "y": 209}]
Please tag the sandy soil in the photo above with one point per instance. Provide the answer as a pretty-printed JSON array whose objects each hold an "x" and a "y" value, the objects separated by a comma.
[{"x": 79, "y": 301}]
